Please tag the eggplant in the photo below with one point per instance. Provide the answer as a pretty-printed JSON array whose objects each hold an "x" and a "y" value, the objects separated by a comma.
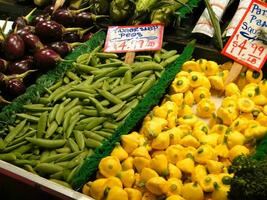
[
  {"x": 86, "y": 36},
  {"x": 63, "y": 48},
  {"x": 13, "y": 47},
  {"x": 51, "y": 31},
  {"x": 39, "y": 18},
  {"x": 32, "y": 42},
  {"x": 71, "y": 37},
  {"x": 86, "y": 19},
  {"x": 45, "y": 59},
  {"x": 48, "y": 10},
  {"x": 15, "y": 87},
  {"x": 19, "y": 67},
  {"x": 26, "y": 30},
  {"x": 23, "y": 21},
  {"x": 66, "y": 16}
]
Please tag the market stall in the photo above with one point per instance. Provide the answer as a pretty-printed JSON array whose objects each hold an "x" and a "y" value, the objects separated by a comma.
[{"x": 136, "y": 100}]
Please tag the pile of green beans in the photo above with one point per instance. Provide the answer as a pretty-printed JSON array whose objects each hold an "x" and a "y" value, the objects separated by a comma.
[{"x": 53, "y": 136}]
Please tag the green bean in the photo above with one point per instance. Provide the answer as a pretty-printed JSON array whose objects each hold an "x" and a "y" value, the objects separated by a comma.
[
  {"x": 29, "y": 169},
  {"x": 60, "y": 114},
  {"x": 112, "y": 60},
  {"x": 66, "y": 80},
  {"x": 48, "y": 168},
  {"x": 78, "y": 159},
  {"x": 110, "y": 125},
  {"x": 102, "y": 73},
  {"x": 144, "y": 66},
  {"x": 68, "y": 157},
  {"x": 139, "y": 80},
  {"x": 95, "y": 123},
  {"x": 114, "y": 109},
  {"x": 86, "y": 89},
  {"x": 169, "y": 60},
  {"x": 121, "y": 88},
  {"x": 91, "y": 113},
  {"x": 12, "y": 134},
  {"x": 103, "y": 134},
  {"x": 2, "y": 144},
  {"x": 62, "y": 91},
  {"x": 96, "y": 128},
  {"x": 55, "y": 86},
  {"x": 64, "y": 164},
  {"x": 98, "y": 83},
  {"x": 73, "y": 76},
  {"x": 143, "y": 57},
  {"x": 70, "y": 105},
  {"x": 92, "y": 135},
  {"x": 106, "y": 55},
  {"x": 45, "y": 143},
  {"x": 41, "y": 126},
  {"x": 109, "y": 96},
  {"x": 63, "y": 183},
  {"x": 8, "y": 157},
  {"x": 44, "y": 100},
  {"x": 37, "y": 107},
  {"x": 91, "y": 143},
  {"x": 105, "y": 103},
  {"x": 58, "y": 176},
  {"x": 111, "y": 131},
  {"x": 157, "y": 56},
  {"x": 158, "y": 74},
  {"x": 53, "y": 158},
  {"x": 127, "y": 77},
  {"x": 130, "y": 92},
  {"x": 88, "y": 79},
  {"x": 94, "y": 60},
  {"x": 23, "y": 149},
  {"x": 143, "y": 74},
  {"x": 28, "y": 117},
  {"x": 147, "y": 85},
  {"x": 114, "y": 64},
  {"x": 72, "y": 144},
  {"x": 168, "y": 54},
  {"x": 127, "y": 110},
  {"x": 20, "y": 139},
  {"x": 68, "y": 115},
  {"x": 97, "y": 104},
  {"x": 79, "y": 139},
  {"x": 73, "y": 120},
  {"x": 105, "y": 85},
  {"x": 115, "y": 83},
  {"x": 51, "y": 129},
  {"x": 80, "y": 95},
  {"x": 15, "y": 146},
  {"x": 23, "y": 162},
  {"x": 84, "y": 68},
  {"x": 44, "y": 155},
  {"x": 53, "y": 152},
  {"x": 53, "y": 113},
  {"x": 73, "y": 171},
  {"x": 118, "y": 72},
  {"x": 63, "y": 150}
]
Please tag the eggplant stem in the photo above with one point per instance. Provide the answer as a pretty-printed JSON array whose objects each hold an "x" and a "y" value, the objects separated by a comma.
[
  {"x": 75, "y": 44},
  {"x": 72, "y": 29},
  {"x": 82, "y": 32},
  {"x": 81, "y": 10},
  {"x": 2, "y": 33},
  {"x": 27, "y": 17},
  {"x": 2, "y": 100},
  {"x": 18, "y": 76},
  {"x": 4, "y": 25},
  {"x": 95, "y": 17}
]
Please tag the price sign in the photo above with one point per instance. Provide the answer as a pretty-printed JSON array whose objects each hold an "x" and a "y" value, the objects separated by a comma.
[
  {"x": 134, "y": 38},
  {"x": 247, "y": 45}
]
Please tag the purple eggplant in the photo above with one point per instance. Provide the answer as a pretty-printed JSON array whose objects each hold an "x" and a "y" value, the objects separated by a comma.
[
  {"x": 48, "y": 10},
  {"x": 15, "y": 87},
  {"x": 71, "y": 37},
  {"x": 23, "y": 21},
  {"x": 3, "y": 65},
  {"x": 66, "y": 16},
  {"x": 45, "y": 59},
  {"x": 32, "y": 42},
  {"x": 86, "y": 36},
  {"x": 39, "y": 18},
  {"x": 19, "y": 67},
  {"x": 63, "y": 48},
  {"x": 26, "y": 30},
  {"x": 86, "y": 19},
  {"x": 51, "y": 31},
  {"x": 14, "y": 47}
]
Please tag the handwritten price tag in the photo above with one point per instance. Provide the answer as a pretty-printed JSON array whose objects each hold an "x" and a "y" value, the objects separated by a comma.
[
  {"x": 134, "y": 38},
  {"x": 247, "y": 45}
]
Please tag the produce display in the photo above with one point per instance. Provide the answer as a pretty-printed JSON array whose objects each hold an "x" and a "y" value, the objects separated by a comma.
[
  {"x": 39, "y": 43},
  {"x": 177, "y": 154},
  {"x": 53, "y": 136}
]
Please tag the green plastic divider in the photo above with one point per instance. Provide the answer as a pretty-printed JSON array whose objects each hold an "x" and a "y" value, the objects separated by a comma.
[
  {"x": 45, "y": 81},
  {"x": 152, "y": 98}
]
